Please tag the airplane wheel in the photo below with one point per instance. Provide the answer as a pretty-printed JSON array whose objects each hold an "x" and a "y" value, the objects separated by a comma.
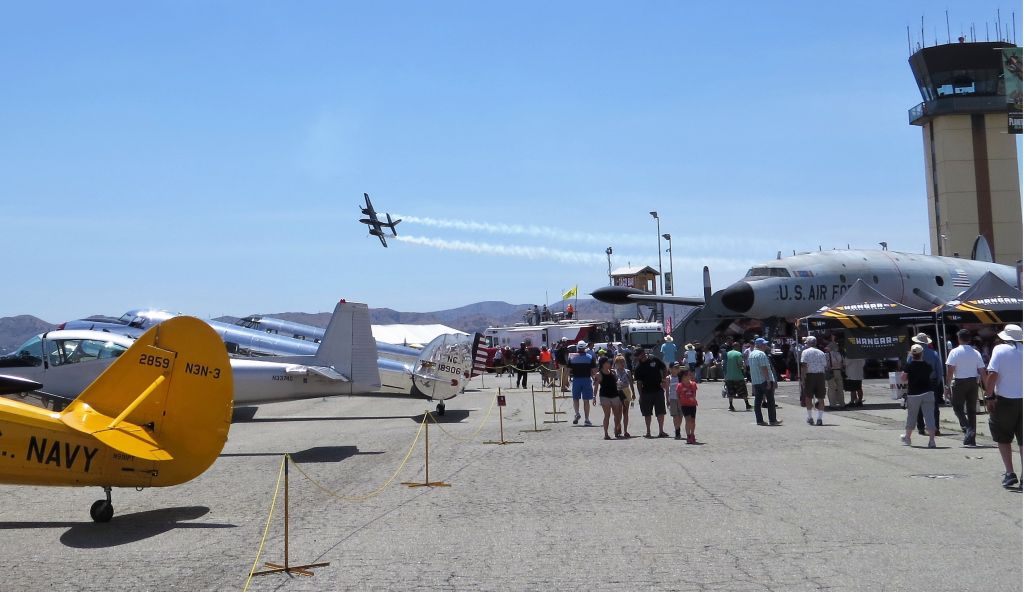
[
  {"x": 440, "y": 408},
  {"x": 102, "y": 511}
]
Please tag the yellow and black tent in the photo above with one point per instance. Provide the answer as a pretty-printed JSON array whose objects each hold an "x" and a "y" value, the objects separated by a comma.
[
  {"x": 990, "y": 301},
  {"x": 863, "y": 306}
]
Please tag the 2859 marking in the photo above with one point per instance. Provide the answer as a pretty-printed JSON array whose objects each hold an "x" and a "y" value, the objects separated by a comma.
[{"x": 151, "y": 360}]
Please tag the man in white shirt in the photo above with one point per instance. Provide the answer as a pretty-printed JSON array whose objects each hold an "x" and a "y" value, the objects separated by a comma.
[
  {"x": 1005, "y": 388},
  {"x": 813, "y": 362},
  {"x": 964, "y": 367}
]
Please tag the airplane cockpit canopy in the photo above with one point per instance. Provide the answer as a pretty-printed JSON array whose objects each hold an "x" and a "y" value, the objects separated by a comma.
[
  {"x": 58, "y": 352},
  {"x": 144, "y": 318},
  {"x": 767, "y": 272}
]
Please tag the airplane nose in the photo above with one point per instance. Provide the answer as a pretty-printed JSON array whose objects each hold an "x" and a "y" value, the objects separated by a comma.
[{"x": 738, "y": 297}]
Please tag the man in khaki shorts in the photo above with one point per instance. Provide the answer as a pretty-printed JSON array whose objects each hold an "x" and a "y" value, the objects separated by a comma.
[{"x": 813, "y": 362}]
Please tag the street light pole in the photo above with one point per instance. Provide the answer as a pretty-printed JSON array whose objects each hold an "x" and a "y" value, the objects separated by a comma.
[
  {"x": 661, "y": 278},
  {"x": 608, "y": 252},
  {"x": 671, "y": 268}
]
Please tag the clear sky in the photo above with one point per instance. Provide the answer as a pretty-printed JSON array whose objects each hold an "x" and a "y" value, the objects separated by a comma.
[{"x": 209, "y": 157}]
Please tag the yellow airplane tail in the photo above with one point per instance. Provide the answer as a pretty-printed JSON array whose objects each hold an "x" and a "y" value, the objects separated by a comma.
[{"x": 167, "y": 398}]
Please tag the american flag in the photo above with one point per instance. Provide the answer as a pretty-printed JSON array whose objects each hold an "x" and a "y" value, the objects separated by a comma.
[
  {"x": 479, "y": 356},
  {"x": 960, "y": 279}
]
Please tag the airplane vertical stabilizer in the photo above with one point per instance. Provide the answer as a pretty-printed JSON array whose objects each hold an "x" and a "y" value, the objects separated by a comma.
[{"x": 348, "y": 346}]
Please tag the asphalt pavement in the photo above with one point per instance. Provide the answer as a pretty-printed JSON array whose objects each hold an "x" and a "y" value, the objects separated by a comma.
[{"x": 840, "y": 507}]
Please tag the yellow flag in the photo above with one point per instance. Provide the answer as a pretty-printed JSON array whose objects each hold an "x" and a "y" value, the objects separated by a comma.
[{"x": 569, "y": 293}]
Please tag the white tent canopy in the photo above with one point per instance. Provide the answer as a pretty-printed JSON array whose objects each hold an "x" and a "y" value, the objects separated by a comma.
[{"x": 411, "y": 335}]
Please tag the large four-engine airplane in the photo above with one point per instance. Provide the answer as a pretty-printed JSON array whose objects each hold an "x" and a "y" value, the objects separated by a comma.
[
  {"x": 157, "y": 416},
  {"x": 374, "y": 223},
  {"x": 797, "y": 286}
]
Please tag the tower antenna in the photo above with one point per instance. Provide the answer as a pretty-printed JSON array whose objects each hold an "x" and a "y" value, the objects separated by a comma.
[{"x": 949, "y": 39}]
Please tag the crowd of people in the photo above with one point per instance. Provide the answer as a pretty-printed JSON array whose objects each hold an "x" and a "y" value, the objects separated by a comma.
[{"x": 664, "y": 381}]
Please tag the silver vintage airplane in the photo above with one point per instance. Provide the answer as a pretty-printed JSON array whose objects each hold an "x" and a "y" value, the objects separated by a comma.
[
  {"x": 63, "y": 362},
  {"x": 797, "y": 286},
  {"x": 438, "y": 372}
]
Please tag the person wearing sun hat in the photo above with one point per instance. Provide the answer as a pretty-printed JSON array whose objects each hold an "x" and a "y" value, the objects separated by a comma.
[
  {"x": 668, "y": 351},
  {"x": 1004, "y": 395},
  {"x": 932, "y": 358}
]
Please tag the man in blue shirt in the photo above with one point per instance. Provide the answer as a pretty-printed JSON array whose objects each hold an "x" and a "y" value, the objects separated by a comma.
[
  {"x": 932, "y": 358},
  {"x": 668, "y": 351},
  {"x": 583, "y": 367}
]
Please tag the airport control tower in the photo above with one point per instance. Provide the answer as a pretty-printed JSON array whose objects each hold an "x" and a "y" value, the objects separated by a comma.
[{"x": 970, "y": 158}]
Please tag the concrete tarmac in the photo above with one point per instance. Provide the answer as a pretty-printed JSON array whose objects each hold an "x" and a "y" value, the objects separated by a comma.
[{"x": 839, "y": 507}]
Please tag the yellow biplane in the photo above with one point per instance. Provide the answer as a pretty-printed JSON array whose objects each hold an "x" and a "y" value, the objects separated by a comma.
[{"x": 158, "y": 416}]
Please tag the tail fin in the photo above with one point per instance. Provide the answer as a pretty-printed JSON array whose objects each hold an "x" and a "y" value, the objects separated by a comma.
[
  {"x": 168, "y": 398},
  {"x": 392, "y": 224},
  {"x": 445, "y": 366},
  {"x": 347, "y": 347}
]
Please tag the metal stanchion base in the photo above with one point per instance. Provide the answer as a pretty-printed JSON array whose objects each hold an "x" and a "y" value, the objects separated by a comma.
[
  {"x": 503, "y": 442},
  {"x": 535, "y": 430},
  {"x": 302, "y": 570},
  {"x": 427, "y": 484}
]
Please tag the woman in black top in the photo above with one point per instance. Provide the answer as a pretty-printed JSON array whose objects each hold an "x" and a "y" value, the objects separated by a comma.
[
  {"x": 608, "y": 389},
  {"x": 918, "y": 375}
]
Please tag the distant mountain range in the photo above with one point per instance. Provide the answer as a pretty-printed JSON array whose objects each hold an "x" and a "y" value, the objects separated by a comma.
[{"x": 470, "y": 318}]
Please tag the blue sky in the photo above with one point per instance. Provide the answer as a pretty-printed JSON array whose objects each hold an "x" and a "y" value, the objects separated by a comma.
[{"x": 208, "y": 157}]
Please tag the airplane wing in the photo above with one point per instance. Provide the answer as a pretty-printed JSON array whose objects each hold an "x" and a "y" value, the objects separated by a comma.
[
  {"x": 322, "y": 372},
  {"x": 382, "y": 241},
  {"x": 621, "y": 295},
  {"x": 10, "y": 385}
]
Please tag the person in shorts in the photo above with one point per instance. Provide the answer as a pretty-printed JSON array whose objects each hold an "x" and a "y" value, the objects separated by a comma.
[
  {"x": 675, "y": 375},
  {"x": 650, "y": 373},
  {"x": 1005, "y": 393},
  {"x": 686, "y": 395},
  {"x": 736, "y": 376},
  {"x": 624, "y": 383},
  {"x": 813, "y": 363},
  {"x": 583, "y": 369},
  {"x": 608, "y": 391}
]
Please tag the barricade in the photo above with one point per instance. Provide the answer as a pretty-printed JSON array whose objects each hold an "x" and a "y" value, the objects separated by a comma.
[
  {"x": 533, "y": 401},
  {"x": 501, "y": 422},
  {"x": 554, "y": 413}
]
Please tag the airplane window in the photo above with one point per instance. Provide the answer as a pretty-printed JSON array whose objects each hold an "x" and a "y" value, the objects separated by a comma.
[
  {"x": 778, "y": 272},
  {"x": 31, "y": 352},
  {"x": 939, "y": 281},
  {"x": 126, "y": 318},
  {"x": 758, "y": 272},
  {"x": 842, "y": 279},
  {"x": 874, "y": 278}
]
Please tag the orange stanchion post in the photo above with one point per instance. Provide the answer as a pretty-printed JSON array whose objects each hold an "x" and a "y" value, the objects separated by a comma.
[
  {"x": 501, "y": 423},
  {"x": 426, "y": 458},
  {"x": 302, "y": 570},
  {"x": 554, "y": 409},
  {"x": 533, "y": 400}
]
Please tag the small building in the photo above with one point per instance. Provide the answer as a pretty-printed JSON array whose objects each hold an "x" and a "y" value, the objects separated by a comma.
[{"x": 643, "y": 278}]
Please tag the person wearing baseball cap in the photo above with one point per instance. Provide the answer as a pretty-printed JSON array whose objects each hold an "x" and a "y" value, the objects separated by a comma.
[
  {"x": 762, "y": 377},
  {"x": 583, "y": 368},
  {"x": 1004, "y": 389}
]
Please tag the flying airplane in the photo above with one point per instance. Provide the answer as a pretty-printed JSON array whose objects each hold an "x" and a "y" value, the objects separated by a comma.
[
  {"x": 158, "y": 416},
  {"x": 438, "y": 372},
  {"x": 797, "y": 286},
  {"x": 373, "y": 222}
]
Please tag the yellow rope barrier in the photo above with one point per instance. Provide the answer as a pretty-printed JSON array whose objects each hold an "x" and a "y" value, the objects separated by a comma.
[
  {"x": 475, "y": 432},
  {"x": 375, "y": 492},
  {"x": 266, "y": 529}
]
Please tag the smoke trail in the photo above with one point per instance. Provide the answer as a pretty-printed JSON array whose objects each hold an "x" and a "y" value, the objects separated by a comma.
[
  {"x": 579, "y": 257},
  {"x": 528, "y": 252},
  {"x": 685, "y": 242},
  {"x": 544, "y": 232}
]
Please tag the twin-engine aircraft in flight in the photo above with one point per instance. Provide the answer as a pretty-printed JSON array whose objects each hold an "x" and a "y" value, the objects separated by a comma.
[
  {"x": 159, "y": 415},
  {"x": 374, "y": 223}
]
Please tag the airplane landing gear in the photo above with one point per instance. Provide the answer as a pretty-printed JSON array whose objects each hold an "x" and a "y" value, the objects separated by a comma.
[
  {"x": 102, "y": 510},
  {"x": 440, "y": 407}
]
